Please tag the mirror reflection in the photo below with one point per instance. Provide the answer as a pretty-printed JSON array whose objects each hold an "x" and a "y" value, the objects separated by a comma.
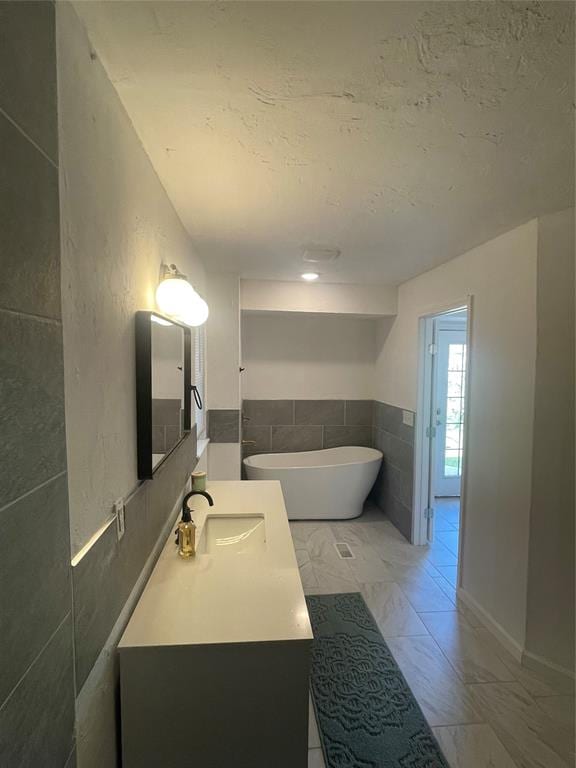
[{"x": 167, "y": 387}]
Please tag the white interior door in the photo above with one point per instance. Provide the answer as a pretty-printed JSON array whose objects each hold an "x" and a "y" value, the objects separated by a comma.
[{"x": 448, "y": 410}]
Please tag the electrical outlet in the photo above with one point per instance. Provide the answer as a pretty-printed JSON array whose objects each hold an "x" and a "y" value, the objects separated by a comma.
[
  {"x": 408, "y": 418},
  {"x": 119, "y": 512}
]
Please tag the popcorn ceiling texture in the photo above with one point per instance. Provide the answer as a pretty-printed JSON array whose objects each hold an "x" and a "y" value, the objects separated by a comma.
[{"x": 405, "y": 133}]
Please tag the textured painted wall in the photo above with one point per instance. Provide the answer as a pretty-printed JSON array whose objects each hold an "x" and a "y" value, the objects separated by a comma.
[
  {"x": 550, "y": 615},
  {"x": 319, "y": 297},
  {"x": 291, "y": 356},
  {"x": 117, "y": 227},
  {"x": 501, "y": 277}
]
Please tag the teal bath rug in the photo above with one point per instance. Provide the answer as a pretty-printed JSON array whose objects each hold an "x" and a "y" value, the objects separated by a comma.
[{"x": 367, "y": 715}]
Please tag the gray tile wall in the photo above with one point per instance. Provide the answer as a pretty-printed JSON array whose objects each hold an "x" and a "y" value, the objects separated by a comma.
[
  {"x": 104, "y": 578},
  {"x": 393, "y": 488},
  {"x": 167, "y": 421},
  {"x": 44, "y": 644},
  {"x": 224, "y": 425},
  {"x": 36, "y": 669},
  {"x": 277, "y": 426}
]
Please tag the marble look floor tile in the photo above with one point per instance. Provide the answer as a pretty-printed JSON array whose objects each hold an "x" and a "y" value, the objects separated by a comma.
[
  {"x": 449, "y": 572},
  {"x": 537, "y": 683},
  {"x": 427, "y": 596},
  {"x": 474, "y": 660},
  {"x": 528, "y": 733},
  {"x": 439, "y": 555},
  {"x": 449, "y": 509},
  {"x": 358, "y": 534},
  {"x": 304, "y": 532},
  {"x": 560, "y": 709},
  {"x": 446, "y": 587},
  {"x": 366, "y": 566},
  {"x": 306, "y": 571},
  {"x": 302, "y": 556},
  {"x": 330, "y": 583},
  {"x": 472, "y": 746},
  {"x": 441, "y": 525},
  {"x": 449, "y": 539},
  {"x": 320, "y": 545},
  {"x": 313, "y": 733},
  {"x": 398, "y": 552},
  {"x": 391, "y": 609},
  {"x": 325, "y": 560},
  {"x": 316, "y": 759},
  {"x": 444, "y": 699}
]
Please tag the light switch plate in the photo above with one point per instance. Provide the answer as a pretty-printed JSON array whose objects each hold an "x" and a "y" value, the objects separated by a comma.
[
  {"x": 408, "y": 418},
  {"x": 119, "y": 512}
]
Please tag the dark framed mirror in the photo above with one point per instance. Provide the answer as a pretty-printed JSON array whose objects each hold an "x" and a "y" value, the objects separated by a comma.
[{"x": 163, "y": 388}]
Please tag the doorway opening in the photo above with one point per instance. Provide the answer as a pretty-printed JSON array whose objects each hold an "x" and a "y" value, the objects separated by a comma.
[{"x": 440, "y": 437}]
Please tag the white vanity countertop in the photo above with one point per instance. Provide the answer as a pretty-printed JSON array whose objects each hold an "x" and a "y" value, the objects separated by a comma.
[{"x": 225, "y": 598}]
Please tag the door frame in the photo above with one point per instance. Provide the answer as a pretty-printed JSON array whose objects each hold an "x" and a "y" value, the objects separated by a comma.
[{"x": 423, "y": 448}]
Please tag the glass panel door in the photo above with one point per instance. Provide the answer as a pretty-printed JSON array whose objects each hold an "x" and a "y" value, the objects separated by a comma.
[{"x": 449, "y": 411}]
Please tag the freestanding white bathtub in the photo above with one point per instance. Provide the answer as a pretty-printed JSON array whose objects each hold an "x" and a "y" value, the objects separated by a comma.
[{"x": 331, "y": 484}]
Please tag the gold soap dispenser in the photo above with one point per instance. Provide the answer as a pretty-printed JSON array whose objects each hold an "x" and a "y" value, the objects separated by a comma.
[
  {"x": 186, "y": 535},
  {"x": 186, "y": 531}
]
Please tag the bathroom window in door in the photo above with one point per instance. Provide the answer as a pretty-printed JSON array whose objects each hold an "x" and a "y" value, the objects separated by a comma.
[
  {"x": 449, "y": 410},
  {"x": 454, "y": 437},
  {"x": 200, "y": 378}
]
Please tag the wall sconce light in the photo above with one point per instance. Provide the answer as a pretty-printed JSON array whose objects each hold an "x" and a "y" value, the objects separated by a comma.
[{"x": 176, "y": 297}]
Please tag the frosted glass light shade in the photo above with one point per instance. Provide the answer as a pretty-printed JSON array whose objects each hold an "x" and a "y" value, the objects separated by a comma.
[
  {"x": 176, "y": 297},
  {"x": 173, "y": 295},
  {"x": 196, "y": 312}
]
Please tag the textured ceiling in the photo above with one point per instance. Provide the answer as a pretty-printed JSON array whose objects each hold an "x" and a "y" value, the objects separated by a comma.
[{"x": 402, "y": 133}]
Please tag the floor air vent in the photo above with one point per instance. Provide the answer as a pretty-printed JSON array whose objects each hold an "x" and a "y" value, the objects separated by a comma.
[{"x": 344, "y": 550}]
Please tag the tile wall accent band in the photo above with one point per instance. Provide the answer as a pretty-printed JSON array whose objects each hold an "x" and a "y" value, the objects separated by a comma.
[
  {"x": 28, "y": 52},
  {"x": 296, "y": 438},
  {"x": 304, "y": 425},
  {"x": 36, "y": 593},
  {"x": 32, "y": 404},
  {"x": 359, "y": 413},
  {"x": 322, "y": 412},
  {"x": 72, "y": 762},
  {"x": 393, "y": 489},
  {"x": 37, "y": 721},
  {"x": 36, "y": 641},
  {"x": 334, "y": 437},
  {"x": 31, "y": 250},
  {"x": 224, "y": 425},
  {"x": 258, "y": 440},
  {"x": 105, "y": 576},
  {"x": 268, "y": 412},
  {"x": 297, "y": 425}
]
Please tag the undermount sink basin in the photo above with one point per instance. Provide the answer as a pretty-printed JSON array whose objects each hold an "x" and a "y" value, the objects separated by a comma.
[{"x": 233, "y": 534}]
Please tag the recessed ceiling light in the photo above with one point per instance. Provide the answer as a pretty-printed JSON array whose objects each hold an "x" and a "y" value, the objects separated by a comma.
[{"x": 310, "y": 276}]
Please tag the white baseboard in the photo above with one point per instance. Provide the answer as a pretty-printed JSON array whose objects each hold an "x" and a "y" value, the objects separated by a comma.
[
  {"x": 524, "y": 657},
  {"x": 512, "y": 646},
  {"x": 541, "y": 664}
]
